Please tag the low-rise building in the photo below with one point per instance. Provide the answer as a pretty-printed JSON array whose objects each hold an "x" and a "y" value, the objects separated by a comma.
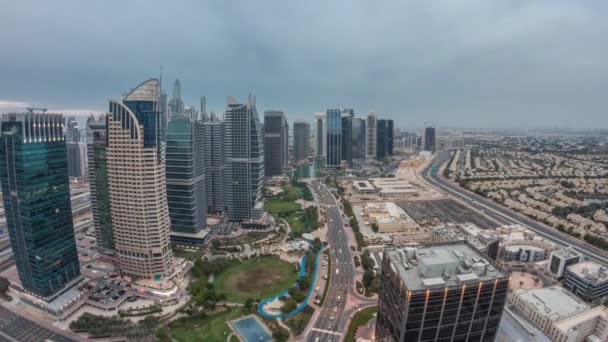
[
  {"x": 484, "y": 241},
  {"x": 547, "y": 306},
  {"x": 588, "y": 280},
  {"x": 562, "y": 258},
  {"x": 590, "y": 326},
  {"x": 390, "y": 218}
]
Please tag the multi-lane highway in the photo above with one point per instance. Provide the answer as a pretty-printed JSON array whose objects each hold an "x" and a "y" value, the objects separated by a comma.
[
  {"x": 503, "y": 215},
  {"x": 331, "y": 321}
]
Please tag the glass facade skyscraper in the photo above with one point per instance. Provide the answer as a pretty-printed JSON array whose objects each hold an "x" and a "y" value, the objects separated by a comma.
[
  {"x": 347, "y": 135},
  {"x": 185, "y": 174},
  {"x": 384, "y": 138},
  {"x": 136, "y": 184},
  {"x": 215, "y": 164},
  {"x": 371, "y": 136},
  {"x": 276, "y": 139},
  {"x": 440, "y": 292},
  {"x": 334, "y": 137},
  {"x": 301, "y": 140},
  {"x": 244, "y": 161},
  {"x": 320, "y": 135},
  {"x": 97, "y": 149},
  {"x": 359, "y": 134},
  {"x": 36, "y": 193},
  {"x": 430, "y": 143}
]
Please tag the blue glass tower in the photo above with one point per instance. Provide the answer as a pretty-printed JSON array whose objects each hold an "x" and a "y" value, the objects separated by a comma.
[
  {"x": 36, "y": 192},
  {"x": 185, "y": 174},
  {"x": 334, "y": 137}
]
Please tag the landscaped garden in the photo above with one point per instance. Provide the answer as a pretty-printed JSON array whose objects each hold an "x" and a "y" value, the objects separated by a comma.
[
  {"x": 283, "y": 205},
  {"x": 255, "y": 278},
  {"x": 361, "y": 318}
]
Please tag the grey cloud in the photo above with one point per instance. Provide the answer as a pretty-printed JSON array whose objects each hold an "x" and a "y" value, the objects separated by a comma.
[{"x": 460, "y": 63}]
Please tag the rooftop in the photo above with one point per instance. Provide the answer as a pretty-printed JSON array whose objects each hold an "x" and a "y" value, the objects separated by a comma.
[
  {"x": 575, "y": 321},
  {"x": 442, "y": 264},
  {"x": 590, "y": 271},
  {"x": 567, "y": 253},
  {"x": 555, "y": 302}
]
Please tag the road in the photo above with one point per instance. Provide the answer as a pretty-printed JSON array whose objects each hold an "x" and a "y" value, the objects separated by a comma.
[
  {"x": 333, "y": 318},
  {"x": 503, "y": 215}
]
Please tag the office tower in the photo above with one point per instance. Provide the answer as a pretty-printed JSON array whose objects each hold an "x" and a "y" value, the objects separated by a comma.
[
  {"x": 430, "y": 143},
  {"x": 72, "y": 138},
  {"x": 440, "y": 292},
  {"x": 244, "y": 161},
  {"x": 164, "y": 115},
  {"x": 36, "y": 193},
  {"x": 204, "y": 107},
  {"x": 562, "y": 258},
  {"x": 333, "y": 122},
  {"x": 587, "y": 279},
  {"x": 72, "y": 133},
  {"x": 320, "y": 135},
  {"x": 136, "y": 184},
  {"x": 371, "y": 135},
  {"x": 358, "y": 140},
  {"x": 390, "y": 140},
  {"x": 276, "y": 149},
  {"x": 185, "y": 173},
  {"x": 97, "y": 149},
  {"x": 301, "y": 140},
  {"x": 176, "y": 105},
  {"x": 384, "y": 138},
  {"x": 215, "y": 164},
  {"x": 347, "y": 135}
]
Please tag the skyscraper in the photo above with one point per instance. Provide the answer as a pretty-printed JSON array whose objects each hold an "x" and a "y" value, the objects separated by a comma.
[
  {"x": 97, "y": 148},
  {"x": 276, "y": 149},
  {"x": 430, "y": 143},
  {"x": 36, "y": 193},
  {"x": 371, "y": 136},
  {"x": 185, "y": 173},
  {"x": 333, "y": 122},
  {"x": 347, "y": 135},
  {"x": 136, "y": 184},
  {"x": 320, "y": 135},
  {"x": 440, "y": 292},
  {"x": 384, "y": 138},
  {"x": 176, "y": 105},
  {"x": 301, "y": 140},
  {"x": 215, "y": 164},
  {"x": 359, "y": 133},
  {"x": 72, "y": 135},
  {"x": 244, "y": 161}
]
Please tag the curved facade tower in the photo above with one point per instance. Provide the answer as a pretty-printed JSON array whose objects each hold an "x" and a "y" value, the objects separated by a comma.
[{"x": 136, "y": 184}]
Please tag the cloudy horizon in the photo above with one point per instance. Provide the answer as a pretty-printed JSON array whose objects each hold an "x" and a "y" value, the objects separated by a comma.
[{"x": 471, "y": 63}]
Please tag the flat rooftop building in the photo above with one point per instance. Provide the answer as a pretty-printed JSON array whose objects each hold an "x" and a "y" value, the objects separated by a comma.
[
  {"x": 447, "y": 291},
  {"x": 588, "y": 280}
]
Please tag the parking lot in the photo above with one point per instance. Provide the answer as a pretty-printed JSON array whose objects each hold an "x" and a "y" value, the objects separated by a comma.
[
  {"x": 446, "y": 211},
  {"x": 15, "y": 327},
  {"x": 107, "y": 293}
]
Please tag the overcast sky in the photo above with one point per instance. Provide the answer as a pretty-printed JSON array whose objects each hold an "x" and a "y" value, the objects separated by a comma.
[{"x": 466, "y": 63}]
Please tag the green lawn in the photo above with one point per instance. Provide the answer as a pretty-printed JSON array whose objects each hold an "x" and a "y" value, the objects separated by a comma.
[
  {"x": 360, "y": 318},
  {"x": 213, "y": 328},
  {"x": 255, "y": 279},
  {"x": 280, "y": 206},
  {"x": 297, "y": 223}
]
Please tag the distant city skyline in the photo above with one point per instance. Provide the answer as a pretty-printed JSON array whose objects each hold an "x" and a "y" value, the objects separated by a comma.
[{"x": 467, "y": 64}]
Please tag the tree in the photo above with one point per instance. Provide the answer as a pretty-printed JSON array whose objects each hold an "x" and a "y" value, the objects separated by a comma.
[
  {"x": 317, "y": 244},
  {"x": 368, "y": 278},
  {"x": 249, "y": 303},
  {"x": 303, "y": 283},
  {"x": 289, "y": 305},
  {"x": 4, "y": 285},
  {"x": 280, "y": 335},
  {"x": 215, "y": 244},
  {"x": 375, "y": 227}
]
